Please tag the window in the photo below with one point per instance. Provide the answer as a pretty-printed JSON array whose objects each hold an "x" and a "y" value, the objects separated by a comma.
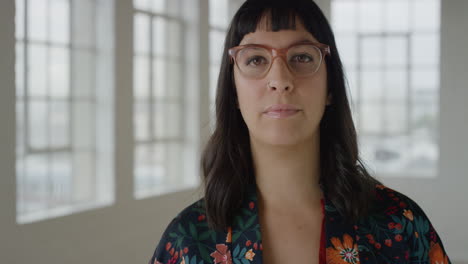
[
  {"x": 219, "y": 19},
  {"x": 390, "y": 50},
  {"x": 162, "y": 148},
  {"x": 63, "y": 82}
]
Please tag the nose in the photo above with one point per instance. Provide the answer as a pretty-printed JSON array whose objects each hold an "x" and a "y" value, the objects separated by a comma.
[{"x": 280, "y": 77}]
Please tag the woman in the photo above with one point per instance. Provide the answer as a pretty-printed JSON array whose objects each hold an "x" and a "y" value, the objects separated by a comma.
[{"x": 283, "y": 180}]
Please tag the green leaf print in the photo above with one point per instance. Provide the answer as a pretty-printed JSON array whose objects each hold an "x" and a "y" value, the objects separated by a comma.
[
  {"x": 173, "y": 235},
  {"x": 193, "y": 230},
  {"x": 250, "y": 221},
  {"x": 258, "y": 233},
  {"x": 242, "y": 253},
  {"x": 409, "y": 228},
  {"x": 235, "y": 236},
  {"x": 237, "y": 261},
  {"x": 205, "y": 235},
  {"x": 182, "y": 230},
  {"x": 236, "y": 251},
  {"x": 204, "y": 253},
  {"x": 245, "y": 261}
]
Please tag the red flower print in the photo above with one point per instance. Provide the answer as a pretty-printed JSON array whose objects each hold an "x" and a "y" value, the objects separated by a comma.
[
  {"x": 358, "y": 238},
  {"x": 201, "y": 217},
  {"x": 391, "y": 225},
  {"x": 172, "y": 252},
  {"x": 221, "y": 255},
  {"x": 402, "y": 204},
  {"x": 185, "y": 250},
  {"x": 388, "y": 242},
  {"x": 343, "y": 251},
  {"x": 370, "y": 236},
  {"x": 398, "y": 238},
  {"x": 398, "y": 226},
  {"x": 255, "y": 246},
  {"x": 377, "y": 245},
  {"x": 251, "y": 205},
  {"x": 248, "y": 243},
  {"x": 168, "y": 246},
  {"x": 391, "y": 210},
  {"x": 355, "y": 227}
]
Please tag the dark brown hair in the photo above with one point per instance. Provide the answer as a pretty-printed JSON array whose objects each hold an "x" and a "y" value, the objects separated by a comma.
[{"x": 226, "y": 162}]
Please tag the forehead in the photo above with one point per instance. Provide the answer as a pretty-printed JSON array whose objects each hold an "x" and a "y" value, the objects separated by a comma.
[{"x": 278, "y": 39}]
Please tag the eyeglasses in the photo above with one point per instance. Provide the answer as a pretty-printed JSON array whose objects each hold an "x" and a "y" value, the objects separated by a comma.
[{"x": 303, "y": 59}]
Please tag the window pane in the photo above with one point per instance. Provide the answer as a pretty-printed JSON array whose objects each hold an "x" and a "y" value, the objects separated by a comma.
[
  {"x": 37, "y": 20},
  {"x": 370, "y": 16},
  {"x": 38, "y": 117},
  {"x": 216, "y": 46},
  {"x": 167, "y": 120},
  {"x": 19, "y": 19},
  {"x": 347, "y": 47},
  {"x": 372, "y": 51},
  {"x": 159, "y": 33},
  {"x": 83, "y": 71},
  {"x": 35, "y": 183},
  {"x": 426, "y": 14},
  {"x": 371, "y": 117},
  {"x": 396, "y": 82},
  {"x": 142, "y": 4},
  {"x": 425, "y": 49},
  {"x": 84, "y": 17},
  {"x": 425, "y": 78},
  {"x": 142, "y": 33},
  {"x": 59, "y": 21},
  {"x": 37, "y": 72},
  {"x": 19, "y": 69},
  {"x": 142, "y": 119},
  {"x": 59, "y": 72},
  {"x": 174, "y": 40},
  {"x": 174, "y": 81},
  {"x": 84, "y": 125},
  {"x": 396, "y": 118},
  {"x": 141, "y": 78},
  {"x": 158, "y": 6},
  {"x": 214, "y": 72},
  {"x": 219, "y": 13},
  {"x": 396, "y": 51},
  {"x": 159, "y": 78},
  {"x": 397, "y": 15},
  {"x": 61, "y": 179},
  {"x": 344, "y": 15},
  {"x": 371, "y": 85},
  {"x": 149, "y": 170},
  {"x": 59, "y": 124}
]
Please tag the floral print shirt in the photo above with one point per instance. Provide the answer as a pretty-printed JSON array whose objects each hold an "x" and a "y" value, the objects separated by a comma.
[{"x": 399, "y": 232}]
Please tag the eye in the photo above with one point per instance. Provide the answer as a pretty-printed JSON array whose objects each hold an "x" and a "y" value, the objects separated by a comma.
[
  {"x": 255, "y": 61},
  {"x": 302, "y": 58}
]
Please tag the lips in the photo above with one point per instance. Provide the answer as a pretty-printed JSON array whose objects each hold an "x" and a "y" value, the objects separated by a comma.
[{"x": 281, "y": 111}]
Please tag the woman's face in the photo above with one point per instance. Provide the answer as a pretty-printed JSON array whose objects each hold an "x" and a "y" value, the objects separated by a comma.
[{"x": 281, "y": 87}]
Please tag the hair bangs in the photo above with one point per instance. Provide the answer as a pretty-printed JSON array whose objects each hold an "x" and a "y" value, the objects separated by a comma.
[{"x": 273, "y": 18}]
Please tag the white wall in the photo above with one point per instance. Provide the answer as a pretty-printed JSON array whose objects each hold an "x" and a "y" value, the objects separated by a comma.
[{"x": 128, "y": 231}]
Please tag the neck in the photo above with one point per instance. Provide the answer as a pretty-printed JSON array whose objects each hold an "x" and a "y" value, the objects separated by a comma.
[{"x": 287, "y": 177}]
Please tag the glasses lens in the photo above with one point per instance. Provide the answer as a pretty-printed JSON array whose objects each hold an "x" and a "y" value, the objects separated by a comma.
[
  {"x": 304, "y": 59},
  {"x": 253, "y": 61}
]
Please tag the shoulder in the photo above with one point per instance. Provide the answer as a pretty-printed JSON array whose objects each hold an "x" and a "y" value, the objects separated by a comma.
[
  {"x": 186, "y": 238},
  {"x": 398, "y": 226}
]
